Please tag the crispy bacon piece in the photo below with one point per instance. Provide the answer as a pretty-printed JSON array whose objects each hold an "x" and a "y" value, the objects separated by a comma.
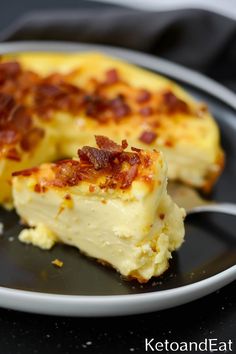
[
  {"x": 111, "y": 156},
  {"x": 61, "y": 96},
  {"x": 129, "y": 176},
  {"x": 124, "y": 144},
  {"x": 97, "y": 157},
  {"x": 174, "y": 104},
  {"x": 146, "y": 111},
  {"x": 108, "y": 152},
  {"x": 7, "y": 104},
  {"x": 112, "y": 77},
  {"x": 131, "y": 157},
  {"x": 148, "y": 137},
  {"x": 109, "y": 160},
  {"x": 16, "y": 126},
  {"x": 27, "y": 172},
  {"x": 96, "y": 107},
  {"x": 143, "y": 96},
  {"x": 135, "y": 149},
  {"x": 103, "y": 109},
  {"x": 119, "y": 107},
  {"x": 107, "y": 144},
  {"x": 66, "y": 173},
  {"x": 13, "y": 154},
  {"x": 9, "y": 70},
  {"x": 39, "y": 188}
]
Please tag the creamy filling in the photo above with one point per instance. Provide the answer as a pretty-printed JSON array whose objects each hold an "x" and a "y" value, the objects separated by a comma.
[{"x": 122, "y": 233}]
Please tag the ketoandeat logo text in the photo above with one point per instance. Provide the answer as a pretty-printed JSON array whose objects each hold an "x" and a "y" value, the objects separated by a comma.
[{"x": 207, "y": 345}]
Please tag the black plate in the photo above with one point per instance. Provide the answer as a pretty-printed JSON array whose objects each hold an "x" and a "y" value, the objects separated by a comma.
[{"x": 210, "y": 245}]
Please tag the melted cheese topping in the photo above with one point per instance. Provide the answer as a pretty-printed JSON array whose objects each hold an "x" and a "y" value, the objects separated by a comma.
[{"x": 72, "y": 99}]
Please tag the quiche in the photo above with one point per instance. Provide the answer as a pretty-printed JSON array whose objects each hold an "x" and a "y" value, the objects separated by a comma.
[
  {"x": 53, "y": 103},
  {"x": 109, "y": 202}
]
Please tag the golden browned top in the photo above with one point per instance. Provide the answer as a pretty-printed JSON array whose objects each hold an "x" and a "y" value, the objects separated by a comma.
[
  {"x": 24, "y": 93},
  {"x": 107, "y": 163},
  {"x": 97, "y": 99}
]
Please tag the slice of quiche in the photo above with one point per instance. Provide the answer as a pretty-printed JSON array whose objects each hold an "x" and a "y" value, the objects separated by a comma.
[
  {"x": 110, "y": 203},
  {"x": 72, "y": 97}
]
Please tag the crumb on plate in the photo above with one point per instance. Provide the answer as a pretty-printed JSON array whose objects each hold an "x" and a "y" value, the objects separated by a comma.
[{"x": 57, "y": 263}]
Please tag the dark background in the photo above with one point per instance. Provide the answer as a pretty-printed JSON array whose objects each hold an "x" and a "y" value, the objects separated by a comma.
[
  {"x": 11, "y": 10},
  {"x": 211, "y": 317}
]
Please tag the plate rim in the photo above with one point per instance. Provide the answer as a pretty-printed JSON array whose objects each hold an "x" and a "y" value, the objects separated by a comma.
[
  {"x": 104, "y": 305},
  {"x": 112, "y": 305}
]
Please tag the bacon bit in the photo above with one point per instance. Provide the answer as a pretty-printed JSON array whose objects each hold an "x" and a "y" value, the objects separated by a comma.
[
  {"x": 104, "y": 201},
  {"x": 65, "y": 161},
  {"x": 122, "y": 111},
  {"x": 129, "y": 176},
  {"x": 57, "y": 263},
  {"x": 67, "y": 197},
  {"x": 46, "y": 91},
  {"x": 174, "y": 104},
  {"x": 103, "y": 109},
  {"x": 91, "y": 188},
  {"x": 13, "y": 154},
  {"x": 39, "y": 189},
  {"x": 143, "y": 96},
  {"x": 98, "y": 158},
  {"x": 9, "y": 70},
  {"x": 61, "y": 96},
  {"x": 112, "y": 77},
  {"x": 94, "y": 162},
  {"x": 120, "y": 107},
  {"x": 7, "y": 103},
  {"x": 66, "y": 173},
  {"x": 9, "y": 136},
  {"x": 131, "y": 157},
  {"x": 135, "y": 149},
  {"x": 32, "y": 138},
  {"x": 162, "y": 216},
  {"x": 96, "y": 106},
  {"x": 109, "y": 156},
  {"x": 148, "y": 137},
  {"x": 105, "y": 143},
  {"x": 16, "y": 126},
  {"x": 27, "y": 172},
  {"x": 147, "y": 161},
  {"x": 146, "y": 111},
  {"x": 116, "y": 150},
  {"x": 124, "y": 144}
]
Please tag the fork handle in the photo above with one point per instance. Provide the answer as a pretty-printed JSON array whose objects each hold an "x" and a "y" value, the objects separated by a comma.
[{"x": 225, "y": 208}]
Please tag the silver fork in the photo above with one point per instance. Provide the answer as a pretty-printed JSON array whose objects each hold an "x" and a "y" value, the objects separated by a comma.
[{"x": 192, "y": 202}]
